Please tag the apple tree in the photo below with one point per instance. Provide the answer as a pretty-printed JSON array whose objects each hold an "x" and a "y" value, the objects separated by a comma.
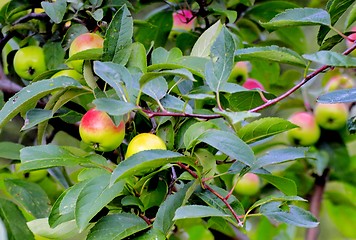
[{"x": 177, "y": 119}]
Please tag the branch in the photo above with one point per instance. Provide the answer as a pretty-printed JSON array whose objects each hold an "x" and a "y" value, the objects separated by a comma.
[{"x": 300, "y": 84}]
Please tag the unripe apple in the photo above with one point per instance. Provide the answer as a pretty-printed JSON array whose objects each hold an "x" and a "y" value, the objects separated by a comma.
[
  {"x": 70, "y": 73},
  {"x": 239, "y": 73},
  {"x": 352, "y": 37},
  {"x": 29, "y": 62},
  {"x": 308, "y": 132},
  {"x": 183, "y": 20},
  {"x": 32, "y": 176},
  {"x": 83, "y": 42},
  {"x": 331, "y": 116},
  {"x": 99, "y": 131},
  {"x": 248, "y": 185},
  {"x": 144, "y": 141},
  {"x": 339, "y": 82},
  {"x": 251, "y": 83}
]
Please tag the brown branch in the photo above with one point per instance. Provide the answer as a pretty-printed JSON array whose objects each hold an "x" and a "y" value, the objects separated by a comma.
[
  {"x": 300, "y": 84},
  {"x": 315, "y": 203}
]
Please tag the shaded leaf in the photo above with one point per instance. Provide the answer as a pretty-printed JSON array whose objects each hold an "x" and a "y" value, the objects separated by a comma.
[
  {"x": 191, "y": 136},
  {"x": 270, "y": 53},
  {"x": 332, "y": 59},
  {"x": 184, "y": 73},
  {"x": 197, "y": 211},
  {"x": 338, "y": 96},
  {"x": 10, "y": 150},
  {"x": 114, "y": 107},
  {"x": 299, "y": 17},
  {"x": 55, "y": 10},
  {"x": 285, "y": 185},
  {"x": 263, "y": 128},
  {"x": 117, "y": 226},
  {"x": 156, "y": 88}
]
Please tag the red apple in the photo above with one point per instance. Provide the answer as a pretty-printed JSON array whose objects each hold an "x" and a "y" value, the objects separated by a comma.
[
  {"x": 308, "y": 132},
  {"x": 352, "y": 39},
  {"x": 99, "y": 131},
  {"x": 249, "y": 184},
  {"x": 251, "y": 83},
  {"x": 183, "y": 20},
  {"x": 339, "y": 82},
  {"x": 331, "y": 116},
  {"x": 83, "y": 42}
]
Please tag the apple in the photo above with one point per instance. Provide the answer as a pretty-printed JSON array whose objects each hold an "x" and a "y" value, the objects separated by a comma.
[
  {"x": 97, "y": 129},
  {"x": 32, "y": 176},
  {"x": 183, "y": 20},
  {"x": 70, "y": 73},
  {"x": 248, "y": 185},
  {"x": 83, "y": 42},
  {"x": 308, "y": 132},
  {"x": 351, "y": 39},
  {"x": 144, "y": 141},
  {"x": 339, "y": 82},
  {"x": 29, "y": 62},
  {"x": 239, "y": 73},
  {"x": 331, "y": 116},
  {"x": 251, "y": 83}
]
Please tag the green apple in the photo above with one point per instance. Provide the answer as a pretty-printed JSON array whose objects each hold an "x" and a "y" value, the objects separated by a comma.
[
  {"x": 331, "y": 116},
  {"x": 32, "y": 176},
  {"x": 251, "y": 83},
  {"x": 70, "y": 73},
  {"x": 29, "y": 62},
  {"x": 339, "y": 82},
  {"x": 248, "y": 185},
  {"x": 97, "y": 129},
  {"x": 144, "y": 141},
  {"x": 308, "y": 132},
  {"x": 83, "y": 42},
  {"x": 239, "y": 73}
]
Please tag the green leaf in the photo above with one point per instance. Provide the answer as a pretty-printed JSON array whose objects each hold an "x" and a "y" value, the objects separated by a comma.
[
  {"x": 236, "y": 117},
  {"x": 336, "y": 8},
  {"x": 184, "y": 73},
  {"x": 203, "y": 45},
  {"x": 146, "y": 161},
  {"x": 175, "y": 104},
  {"x": 29, "y": 95},
  {"x": 153, "y": 197},
  {"x": 55, "y": 10},
  {"x": 165, "y": 214},
  {"x": 191, "y": 136},
  {"x": 270, "y": 53},
  {"x": 351, "y": 16},
  {"x": 114, "y": 107},
  {"x": 10, "y": 150},
  {"x": 218, "y": 69},
  {"x": 66, "y": 230},
  {"x": 285, "y": 185},
  {"x": 246, "y": 100},
  {"x": 95, "y": 195},
  {"x": 28, "y": 195},
  {"x": 116, "y": 76},
  {"x": 156, "y": 88},
  {"x": 294, "y": 215},
  {"x": 263, "y": 128},
  {"x": 332, "y": 58},
  {"x": 230, "y": 144},
  {"x": 14, "y": 221},
  {"x": 36, "y": 116},
  {"x": 198, "y": 211},
  {"x": 276, "y": 156},
  {"x": 138, "y": 57},
  {"x": 156, "y": 30},
  {"x": 54, "y": 54},
  {"x": 117, "y": 226},
  {"x": 64, "y": 207},
  {"x": 338, "y": 96},
  {"x": 118, "y": 37},
  {"x": 212, "y": 200},
  {"x": 270, "y": 199},
  {"x": 265, "y": 11},
  {"x": 89, "y": 54},
  {"x": 299, "y": 17},
  {"x": 46, "y": 156},
  {"x": 161, "y": 55}
]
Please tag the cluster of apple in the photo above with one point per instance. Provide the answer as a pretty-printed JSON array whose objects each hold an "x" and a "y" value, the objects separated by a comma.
[
  {"x": 29, "y": 61},
  {"x": 329, "y": 116}
]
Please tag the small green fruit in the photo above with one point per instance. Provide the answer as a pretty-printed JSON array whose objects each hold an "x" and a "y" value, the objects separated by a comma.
[
  {"x": 32, "y": 176},
  {"x": 69, "y": 73},
  {"x": 331, "y": 116},
  {"x": 144, "y": 141},
  {"x": 308, "y": 132},
  {"x": 239, "y": 73},
  {"x": 248, "y": 185},
  {"x": 339, "y": 82},
  {"x": 99, "y": 131},
  {"x": 29, "y": 62}
]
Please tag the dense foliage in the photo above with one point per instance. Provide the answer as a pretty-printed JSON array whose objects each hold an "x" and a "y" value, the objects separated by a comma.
[{"x": 217, "y": 81}]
